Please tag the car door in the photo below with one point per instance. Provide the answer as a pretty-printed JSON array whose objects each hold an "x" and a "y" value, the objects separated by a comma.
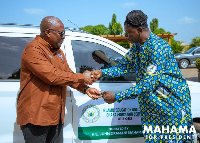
[
  {"x": 94, "y": 120},
  {"x": 12, "y": 43},
  {"x": 196, "y": 54}
]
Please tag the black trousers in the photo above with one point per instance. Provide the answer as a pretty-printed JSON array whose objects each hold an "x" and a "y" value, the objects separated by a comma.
[{"x": 42, "y": 134}]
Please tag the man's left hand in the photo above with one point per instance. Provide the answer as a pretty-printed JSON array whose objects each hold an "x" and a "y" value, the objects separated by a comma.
[{"x": 93, "y": 93}]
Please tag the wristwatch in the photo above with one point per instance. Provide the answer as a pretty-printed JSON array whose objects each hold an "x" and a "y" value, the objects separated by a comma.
[{"x": 86, "y": 89}]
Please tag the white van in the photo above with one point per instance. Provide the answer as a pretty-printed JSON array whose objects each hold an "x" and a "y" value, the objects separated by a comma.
[{"x": 86, "y": 120}]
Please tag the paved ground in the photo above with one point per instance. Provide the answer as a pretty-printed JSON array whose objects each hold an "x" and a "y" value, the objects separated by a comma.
[{"x": 190, "y": 73}]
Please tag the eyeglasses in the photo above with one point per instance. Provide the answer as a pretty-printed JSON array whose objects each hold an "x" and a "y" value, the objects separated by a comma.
[{"x": 60, "y": 33}]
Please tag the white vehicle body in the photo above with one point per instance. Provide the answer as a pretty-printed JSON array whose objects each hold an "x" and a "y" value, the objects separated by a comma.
[{"x": 86, "y": 120}]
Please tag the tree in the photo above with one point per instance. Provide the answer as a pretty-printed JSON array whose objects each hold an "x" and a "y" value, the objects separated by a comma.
[
  {"x": 87, "y": 28},
  {"x": 195, "y": 42},
  {"x": 124, "y": 44},
  {"x": 96, "y": 30},
  {"x": 100, "y": 30},
  {"x": 176, "y": 45},
  {"x": 159, "y": 31},
  {"x": 154, "y": 25},
  {"x": 115, "y": 28}
]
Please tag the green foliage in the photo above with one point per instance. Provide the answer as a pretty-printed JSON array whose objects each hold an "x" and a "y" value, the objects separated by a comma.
[
  {"x": 87, "y": 28},
  {"x": 115, "y": 28},
  {"x": 100, "y": 30},
  {"x": 186, "y": 48},
  {"x": 154, "y": 25},
  {"x": 176, "y": 46},
  {"x": 198, "y": 64},
  {"x": 124, "y": 44},
  {"x": 96, "y": 30},
  {"x": 159, "y": 31},
  {"x": 195, "y": 42}
]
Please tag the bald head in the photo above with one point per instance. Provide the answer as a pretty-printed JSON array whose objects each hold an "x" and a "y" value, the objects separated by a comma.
[
  {"x": 50, "y": 22},
  {"x": 52, "y": 30}
]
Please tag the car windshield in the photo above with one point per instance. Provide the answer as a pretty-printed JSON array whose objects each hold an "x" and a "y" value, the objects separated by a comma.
[{"x": 190, "y": 50}]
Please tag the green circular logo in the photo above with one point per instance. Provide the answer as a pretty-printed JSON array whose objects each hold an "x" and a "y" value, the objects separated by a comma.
[{"x": 90, "y": 113}]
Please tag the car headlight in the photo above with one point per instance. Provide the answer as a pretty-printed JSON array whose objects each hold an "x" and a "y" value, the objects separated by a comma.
[{"x": 177, "y": 56}]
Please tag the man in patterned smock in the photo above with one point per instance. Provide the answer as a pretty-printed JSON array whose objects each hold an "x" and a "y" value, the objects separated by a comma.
[{"x": 162, "y": 92}]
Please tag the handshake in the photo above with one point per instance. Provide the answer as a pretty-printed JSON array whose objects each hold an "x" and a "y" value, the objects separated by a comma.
[{"x": 89, "y": 79}]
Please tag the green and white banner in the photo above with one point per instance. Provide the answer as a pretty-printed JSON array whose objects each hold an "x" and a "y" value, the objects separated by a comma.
[
  {"x": 109, "y": 132},
  {"x": 100, "y": 120}
]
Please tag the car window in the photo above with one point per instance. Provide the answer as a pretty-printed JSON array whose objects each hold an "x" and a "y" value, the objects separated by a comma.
[
  {"x": 92, "y": 56},
  {"x": 190, "y": 50},
  {"x": 10, "y": 56},
  {"x": 197, "y": 51}
]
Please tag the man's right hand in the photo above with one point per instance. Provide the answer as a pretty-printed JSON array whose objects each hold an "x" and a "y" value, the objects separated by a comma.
[
  {"x": 109, "y": 97},
  {"x": 97, "y": 74},
  {"x": 88, "y": 77}
]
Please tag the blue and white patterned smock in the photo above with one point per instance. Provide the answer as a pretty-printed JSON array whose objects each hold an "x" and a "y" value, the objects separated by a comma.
[{"x": 162, "y": 92}]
